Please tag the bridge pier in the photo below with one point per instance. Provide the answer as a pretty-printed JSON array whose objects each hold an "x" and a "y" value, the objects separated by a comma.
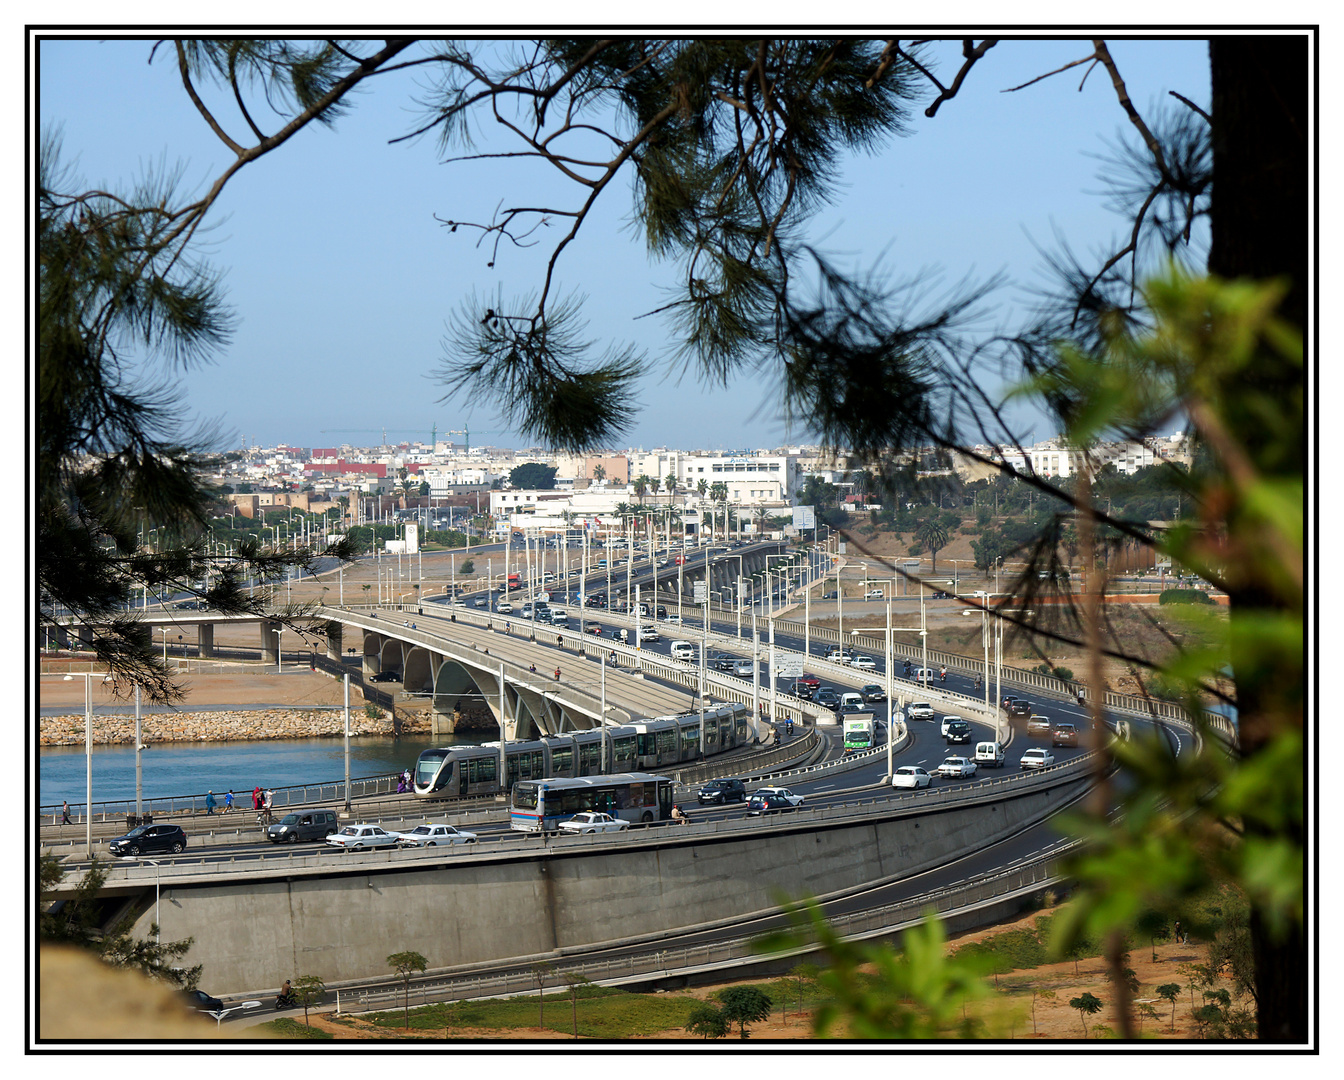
[
  {"x": 334, "y": 641},
  {"x": 205, "y": 639},
  {"x": 270, "y": 641}
]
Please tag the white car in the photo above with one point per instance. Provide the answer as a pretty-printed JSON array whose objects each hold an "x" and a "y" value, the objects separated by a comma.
[
  {"x": 504, "y": 607},
  {"x": 480, "y": 601},
  {"x": 957, "y": 766},
  {"x": 873, "y": 594},
  {"x": 780, "y": 793},
  {"x": 946, "y": 719},
  {"x": 361, "y": 837},
  {"x": 590, "y": 821},
  {"x": 1037, "y": 758},
  {"x": 648, "y": 633},
  {"x": 866, "y": 663},
  {"x": 434, "y": 835},
  {"x": 674, "y": 619},
  {"x": 910, "y": 776},
  {"x": 919, "y": 710}
]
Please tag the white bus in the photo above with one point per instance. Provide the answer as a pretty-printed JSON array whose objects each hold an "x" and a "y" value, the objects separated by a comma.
[{"x": 540, "y": 805}]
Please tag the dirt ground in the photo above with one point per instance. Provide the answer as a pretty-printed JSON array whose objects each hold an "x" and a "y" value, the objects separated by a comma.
[{"x": 1054, "y": 1019}]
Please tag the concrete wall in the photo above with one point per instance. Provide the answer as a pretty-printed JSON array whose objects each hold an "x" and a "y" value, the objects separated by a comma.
[{"x": 256, "y": 927}]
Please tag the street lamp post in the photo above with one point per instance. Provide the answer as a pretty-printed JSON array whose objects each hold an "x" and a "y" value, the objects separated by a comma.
[
  {"x": 164, "y": 631},
  {"x": 87, "y": 676},
  {"x": 279, "y": 656}
]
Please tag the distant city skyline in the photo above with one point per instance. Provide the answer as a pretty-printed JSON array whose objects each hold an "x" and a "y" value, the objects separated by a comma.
[{"x": 342, "y": 278}]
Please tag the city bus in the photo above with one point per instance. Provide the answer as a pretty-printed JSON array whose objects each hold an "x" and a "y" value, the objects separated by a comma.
[
  {"x": 540, "y": 805},
  {"x": 858, "y": 732}
]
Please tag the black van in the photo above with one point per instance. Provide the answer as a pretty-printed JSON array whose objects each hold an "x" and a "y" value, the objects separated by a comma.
[{"x": 306, "y": 825}]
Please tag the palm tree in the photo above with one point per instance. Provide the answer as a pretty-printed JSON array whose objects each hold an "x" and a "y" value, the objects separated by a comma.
[
  {"x": 640, "y": 484},
  {"x": 599, "y": 473},
  {"x": 702, "y": 487},
  {"x": 670, "y": 486},
  {"x": 933, "y": 535}
]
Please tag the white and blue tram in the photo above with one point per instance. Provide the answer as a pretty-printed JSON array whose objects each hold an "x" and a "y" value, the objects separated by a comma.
[{"x": 457, "y": 771}]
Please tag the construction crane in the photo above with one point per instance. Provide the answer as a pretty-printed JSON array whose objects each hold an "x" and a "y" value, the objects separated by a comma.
[
  {"x": 433, "y": 432},
  {"x": 466, "y": 434}
]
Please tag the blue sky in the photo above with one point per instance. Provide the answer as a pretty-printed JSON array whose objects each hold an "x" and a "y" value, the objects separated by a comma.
[{"x": 342, "y": 280}]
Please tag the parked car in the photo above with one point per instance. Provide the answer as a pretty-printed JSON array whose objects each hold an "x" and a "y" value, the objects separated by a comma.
[
  {"x": 149, "y": 840},
  {"x": 873, "y": 692},
  {"x": 958, "y": 731},
  {"x": 591, "y": 821},
  {"x": 767, "y": 804},
  {"x": 428, "y": 835},
  {"x": 386, "y": 676},
  {"x": 361, "y": 837},
  {"x": 308, "y": 825},
  {"x": 1037, "y": 758},
  {"x": 722, "y": 791},
  {"x": 910, "y": 776},
  {"x": 919, "y": 710},
  {"x": 1037, "y": 724},
  {"x": 199, "y": 999},
  {"x": 957, "y": 766},
  {"x": 1064, "y": 735},
  {"x": 864, "y": 663},
  {"x": 782, "y": 792}
]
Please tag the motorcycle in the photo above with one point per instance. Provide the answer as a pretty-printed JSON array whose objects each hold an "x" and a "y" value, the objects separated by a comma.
[{"x": 286, "y": 1001}]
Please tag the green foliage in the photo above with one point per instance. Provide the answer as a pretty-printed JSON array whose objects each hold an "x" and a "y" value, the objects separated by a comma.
[
  {"x": 1087, "y": 1005},
  {"x": 407, "y": 964},
  {"x": 1170, "y": 992},
  {"x": 920, "y": 993},
  {"x": 743, "y": 1005},
  {"x": 308, "y": 990},
  {"x": 1184, "y": 596},
  {"x": 468, "y": 567},
  {"x": 288, "y": 1028},
  {"x": 708, "y": 1022},
  {"x": 78, "y": 923},
  {"x": 533, "y": 476}
]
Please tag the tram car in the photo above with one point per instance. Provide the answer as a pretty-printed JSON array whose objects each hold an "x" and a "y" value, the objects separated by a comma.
[{"x": 453, "y": 772}]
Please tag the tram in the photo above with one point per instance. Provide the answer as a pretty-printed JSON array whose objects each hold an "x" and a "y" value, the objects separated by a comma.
[{"x": 452, "y": 772}]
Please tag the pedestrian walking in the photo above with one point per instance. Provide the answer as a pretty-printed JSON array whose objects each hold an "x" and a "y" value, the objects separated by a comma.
[
  {"x": 1179, "y": 936},
  {"x": 256, "y": 798},
  {"x": 210, "y": 802},
  {"x": 228, "y": 801},
  {"x": 65, "y": 813},
  {"x": 266, "y": 802},
  {"x": 557, "y": 674}
]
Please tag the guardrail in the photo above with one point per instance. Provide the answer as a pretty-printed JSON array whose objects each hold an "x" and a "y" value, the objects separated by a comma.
[{"x": 446, "y": 985}]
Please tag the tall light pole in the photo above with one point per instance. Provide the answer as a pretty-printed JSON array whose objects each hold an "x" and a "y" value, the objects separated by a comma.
[
  {"x": 87, "y": 676},
  {"x": 279, "y": 656},
  {"x": 164, "y": 631}
]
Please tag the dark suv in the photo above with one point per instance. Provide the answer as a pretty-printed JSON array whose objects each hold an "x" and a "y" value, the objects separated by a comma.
[
  {"x": 308, "y": 825},
  {"x": 150, "y": 840},
  {"x": 1019, "y": 708},
  {"x": 723, "y": 791}
]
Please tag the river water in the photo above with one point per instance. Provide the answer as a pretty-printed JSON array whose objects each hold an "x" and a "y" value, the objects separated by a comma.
[{"x": 177, "y": 769}]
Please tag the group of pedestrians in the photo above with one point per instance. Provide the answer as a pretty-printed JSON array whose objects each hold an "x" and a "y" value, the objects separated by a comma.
[{"x": 261, "y": 802}]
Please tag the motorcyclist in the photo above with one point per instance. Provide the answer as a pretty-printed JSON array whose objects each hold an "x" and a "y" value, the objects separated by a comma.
[{"x": 286, "y": 996}]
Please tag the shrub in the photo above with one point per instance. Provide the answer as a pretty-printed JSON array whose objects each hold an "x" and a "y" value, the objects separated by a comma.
[{"x": 1184, "y": 596}]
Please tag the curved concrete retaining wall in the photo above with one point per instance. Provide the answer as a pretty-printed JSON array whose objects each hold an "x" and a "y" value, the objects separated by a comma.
[{"x": 255, "y": 927}]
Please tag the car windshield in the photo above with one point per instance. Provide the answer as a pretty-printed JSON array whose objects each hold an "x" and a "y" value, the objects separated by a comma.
[
  {"x": 420, "y": 830},
  {"x": 290, "y": 819},
  {"x": 349, "y": 830}
]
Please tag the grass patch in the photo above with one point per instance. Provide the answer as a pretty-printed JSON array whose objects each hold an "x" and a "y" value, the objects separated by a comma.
[
  {"x": 603, "y": 1013},
  {"x": 288, "y": 1028}
]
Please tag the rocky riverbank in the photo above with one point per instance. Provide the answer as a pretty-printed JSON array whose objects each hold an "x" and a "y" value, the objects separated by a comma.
[{"x": 223, "y": 726}]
